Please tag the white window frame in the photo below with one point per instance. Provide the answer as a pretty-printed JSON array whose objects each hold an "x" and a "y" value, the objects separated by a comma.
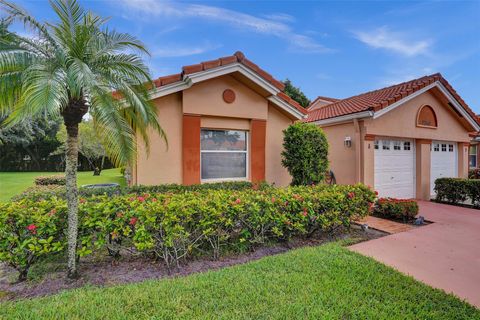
[
  {"x": 473, "y": 154},
  {"x": 247, "y": 160}
]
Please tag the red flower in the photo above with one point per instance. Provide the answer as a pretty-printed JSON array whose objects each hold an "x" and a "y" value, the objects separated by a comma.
[
  {"x": 133, "y": 221},
  {"x": 351, "y": 195},
  {"x": 141, "y": 199},
  {"x": 305, "y": 213},
  {"x": 32, "y": 228},
  {"x": 82, "y": 200},
  {"x": 273, "y": 199},
  {"x": 238, "y": 201},
  {"x": 119, "y": 214},
  {"x": 154, "y": 199},
  {"x": 52, "y": 212},
  {"x": 376, "y": 192}
]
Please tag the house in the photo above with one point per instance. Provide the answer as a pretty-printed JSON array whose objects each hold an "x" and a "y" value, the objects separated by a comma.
[
  {"x": 223, "y": 119},
  {"x": 474, "y": 152},
  {"x": 320, "y": 102},
  {"x": 399, "y": 139}
]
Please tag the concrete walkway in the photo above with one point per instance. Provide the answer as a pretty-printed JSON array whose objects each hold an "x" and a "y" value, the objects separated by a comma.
[{"x": 444, "y": 254}]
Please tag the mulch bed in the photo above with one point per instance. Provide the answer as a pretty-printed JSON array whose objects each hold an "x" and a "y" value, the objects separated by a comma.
[{"x": 104, "y": 271}]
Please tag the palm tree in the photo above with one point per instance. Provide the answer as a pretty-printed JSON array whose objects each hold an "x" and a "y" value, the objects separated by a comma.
[{"x": 70, "y": 68}]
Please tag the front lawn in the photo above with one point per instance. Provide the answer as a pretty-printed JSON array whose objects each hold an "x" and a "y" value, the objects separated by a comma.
[
  {"x": 311, "y": 283},
  {"x": 13, "y": 183}
]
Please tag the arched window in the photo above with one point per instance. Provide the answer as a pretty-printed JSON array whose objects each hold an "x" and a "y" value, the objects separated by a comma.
[{"x": 426, "y": 117}]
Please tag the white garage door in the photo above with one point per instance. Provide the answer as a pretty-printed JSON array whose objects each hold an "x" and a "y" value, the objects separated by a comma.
[
  {"x": 395, "y": 168},
  {"x": 443, "y": 161}
]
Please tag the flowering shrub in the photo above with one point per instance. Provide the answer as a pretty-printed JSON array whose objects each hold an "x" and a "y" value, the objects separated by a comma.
[
  {"x": 405, "y": 209},
  {"x": 457, "y": 190},
  {"x": 30, "y": 231},
  {"x": 50, "y": 180},
  {"x": 474, "y": 173},
  {"x": 174, "y": 226}
]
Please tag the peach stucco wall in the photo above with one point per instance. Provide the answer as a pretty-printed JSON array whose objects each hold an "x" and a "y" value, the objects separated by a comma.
[
  {"x": 205, "y": 100},
  {"x": 355, "y": 164},
  {"x": 163, "y": 165},
  {"x": 342, "y": 158},
  {"x": 274, "y": 171}
]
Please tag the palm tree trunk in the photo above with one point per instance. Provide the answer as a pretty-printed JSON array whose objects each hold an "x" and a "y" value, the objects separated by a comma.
[
  {"x": 72, "y": 116},
  {"x": 71, "y": 163}
]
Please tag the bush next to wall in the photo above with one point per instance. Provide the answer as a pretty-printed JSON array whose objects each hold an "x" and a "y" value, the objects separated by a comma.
[
  {"x": 175, "y": 226},
  {"x": 405, "y": 209},
  {"x": 457, "y": 190},
  {"x": 474, "y": 173},
  {"x": 305, "y": 153}
]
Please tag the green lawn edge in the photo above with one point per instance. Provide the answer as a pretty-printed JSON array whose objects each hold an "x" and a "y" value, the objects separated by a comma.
[{"x": 324, "y": 282}]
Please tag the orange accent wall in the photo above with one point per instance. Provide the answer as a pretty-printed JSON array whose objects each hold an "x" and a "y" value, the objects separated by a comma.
[
  {"x": 258, "y": 132},
  {"x": 191, "y": 149}
]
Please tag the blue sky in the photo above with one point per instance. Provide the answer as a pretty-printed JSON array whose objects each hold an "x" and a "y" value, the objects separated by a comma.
[{"x": 330, "y": 48}]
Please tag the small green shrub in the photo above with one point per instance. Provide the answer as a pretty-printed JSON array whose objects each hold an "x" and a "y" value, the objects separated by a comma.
[
  {"x": 305, "y": 153},
  {"x": 30, "y": 231},
  {"x": 405, "y": 209},
  {"x": 173, "y": 226},
  {"x": 50, "y": 180},
  {"x": 457, "y": 190}
]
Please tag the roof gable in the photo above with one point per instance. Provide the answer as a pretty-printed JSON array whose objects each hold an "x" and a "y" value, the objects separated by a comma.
[
  {"x": 379, "y": 101},
  {"x": 236, "y": 63}
]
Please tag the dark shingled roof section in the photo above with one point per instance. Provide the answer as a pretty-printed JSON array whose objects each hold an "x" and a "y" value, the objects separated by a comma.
[{"x": 382, "y": 98}]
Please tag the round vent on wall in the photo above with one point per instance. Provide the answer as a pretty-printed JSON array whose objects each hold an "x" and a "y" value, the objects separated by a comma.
[{"x": 228, "y": 95}]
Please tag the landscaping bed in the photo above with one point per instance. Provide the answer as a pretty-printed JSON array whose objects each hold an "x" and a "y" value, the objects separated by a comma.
[{"x": 102, "y": 270}]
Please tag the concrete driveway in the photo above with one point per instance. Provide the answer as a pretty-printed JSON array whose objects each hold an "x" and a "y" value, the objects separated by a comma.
[{"x": 444, "y": 254}]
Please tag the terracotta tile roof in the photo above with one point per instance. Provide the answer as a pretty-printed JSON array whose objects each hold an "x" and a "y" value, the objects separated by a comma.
[
  {"x": 236, "y": 57},
  {"x": 382, "y": 98}
]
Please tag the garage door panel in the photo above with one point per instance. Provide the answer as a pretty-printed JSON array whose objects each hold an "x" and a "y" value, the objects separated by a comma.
[{"x": 395, "y": 168}]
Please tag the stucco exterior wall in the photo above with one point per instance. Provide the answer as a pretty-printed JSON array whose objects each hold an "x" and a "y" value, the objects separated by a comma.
[
  {"x": 342, "y": 158},
  {"x": 163, "y": 165},
  {"x": 401, "y": 122},
  {"x": 274, "y": 171},
  {"x": 205, "y": 98}
]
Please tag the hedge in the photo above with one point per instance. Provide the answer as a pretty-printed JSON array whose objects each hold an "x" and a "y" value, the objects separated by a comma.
[
  {"x": 175, "y": 226},
  {"x": 458, "y": 190},
  {"x": 405, "y": 209},
  {"x": 50, "y": 180},
  {"x": 42, "y": 192}
]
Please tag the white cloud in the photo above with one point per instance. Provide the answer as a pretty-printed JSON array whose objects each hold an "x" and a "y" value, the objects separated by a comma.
[
  {"x": 177, "y": 51},
  {"x": 280, "y": 17},
  {"x": 383, "y": 38},
  {"x": 272, "y": 26}
]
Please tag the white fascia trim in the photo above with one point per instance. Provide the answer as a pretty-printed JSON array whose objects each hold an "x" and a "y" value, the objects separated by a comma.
[
  {"x": 444, "y": 90},
  {"x": 345, "y": 118},
  {"x": 402, "y": 101},
  {"x": 193, "y": 78},
  {"x": 287, "y": 107}
]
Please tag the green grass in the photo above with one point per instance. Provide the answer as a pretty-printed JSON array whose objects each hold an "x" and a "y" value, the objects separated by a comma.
[
  {"x": 325, "y": 282},
  {"x": 13, "y": 183}
]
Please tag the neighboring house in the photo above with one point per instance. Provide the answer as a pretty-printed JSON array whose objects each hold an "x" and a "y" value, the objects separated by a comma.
[
  {"x": 401, "y": 138},
  {"x": 474, "y": 152},
  {"x": 223, "y": 120},
  {"x": 320, "y": 102}
]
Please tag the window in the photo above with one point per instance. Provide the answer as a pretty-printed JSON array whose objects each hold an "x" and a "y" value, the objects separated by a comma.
[
  {"x": 450, "y": 148},
  {"x": 436, "y": 147},
  {"x": 472, "y": 156},
  {"x": 406, "y": 145},
  {"x": 375, "y": 144},
  {"x": 397, "y": 145},
  {"x": 223, "y": 154},
  {"x": 386, "y": 145},
  {"x": 444, "y": 147}
]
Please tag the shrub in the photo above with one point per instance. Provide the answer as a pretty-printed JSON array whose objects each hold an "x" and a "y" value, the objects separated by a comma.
[
  {"x": 474, "y": 173},
  {"x": 305, "y": 153},
  {"x": 45, "y": 192},
  {"x": 30, "y": 231},
  {"x": 175, "y": 226},
  {"x": 457, "y": 190},
  {"x": 405, "y": 209},
  {"x": 50, "y": 180}
]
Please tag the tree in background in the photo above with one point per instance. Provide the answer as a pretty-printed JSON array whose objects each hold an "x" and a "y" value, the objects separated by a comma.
[
  {"x": 296, "y": 94},
  {"x": 305, "y": 153},
  {"x": 70, "y": 67},
  {"x": 89, "y": 145}
]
